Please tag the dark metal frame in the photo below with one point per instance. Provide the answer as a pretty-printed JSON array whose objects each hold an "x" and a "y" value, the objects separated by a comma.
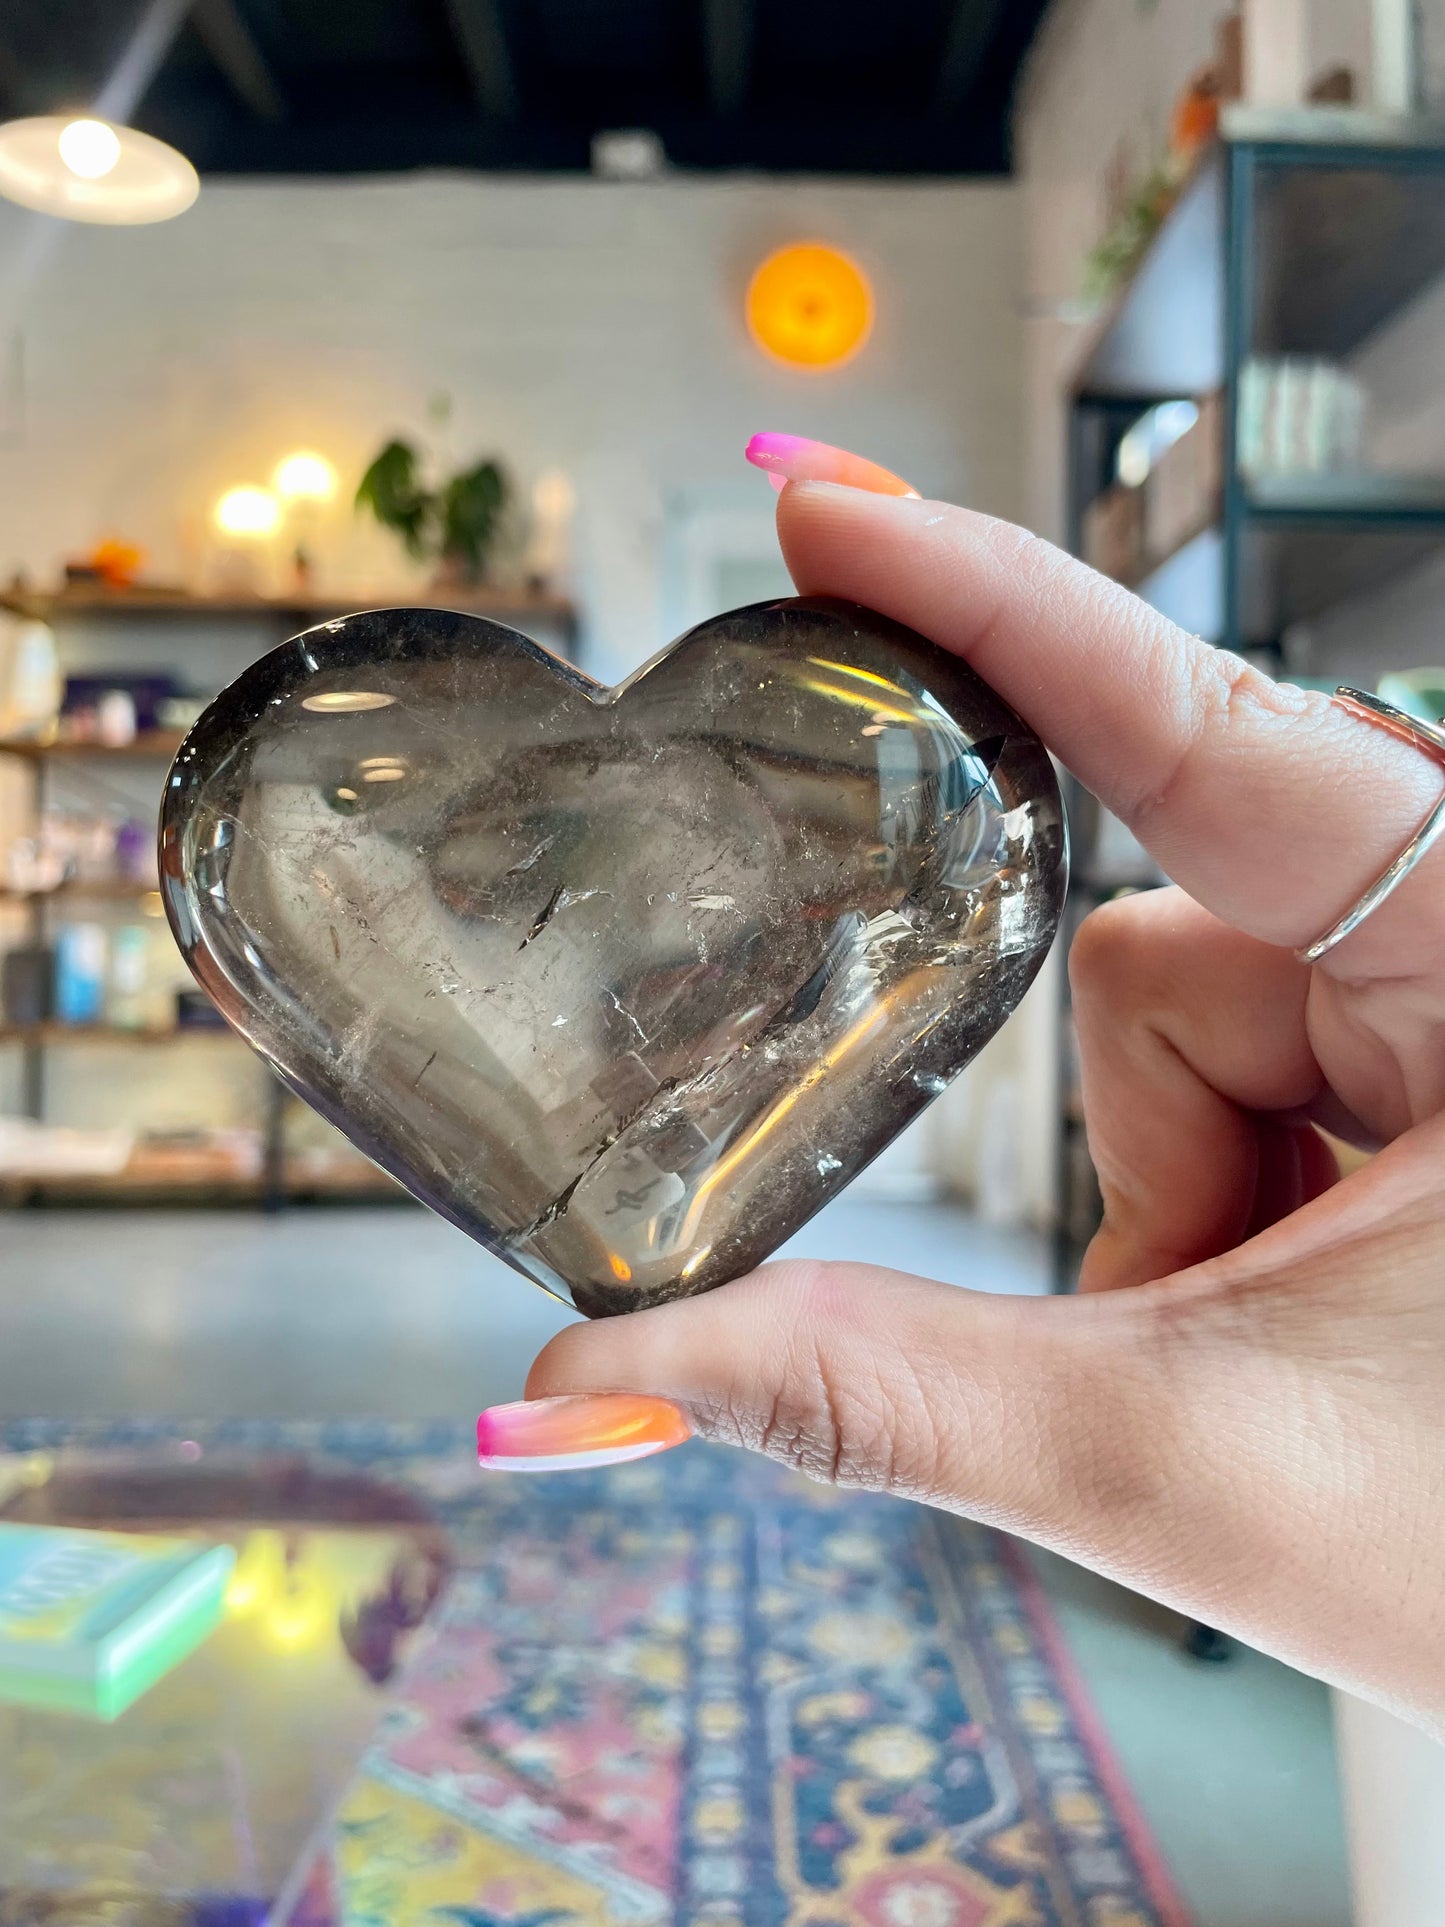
[{"x": 1095, "y": 422}]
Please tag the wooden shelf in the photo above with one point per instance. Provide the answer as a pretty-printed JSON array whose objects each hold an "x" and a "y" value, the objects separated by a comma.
[
  {"x": 150, "y": 742},
  {"x": 146, "y": 1181},
  {"x": 126, "y": 1187},
  {"x": 115, "y": 890},
  {"x": 352, "y": 1177},
  {"x": 298, "y": 609},
  {"x": 54, "y": 1033},
  {"x": 174, "y": 1178}
]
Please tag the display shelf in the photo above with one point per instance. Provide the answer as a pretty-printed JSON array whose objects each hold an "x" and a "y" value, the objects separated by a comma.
[
  {"x": 1296, "y": 569},
  {"x": 1311, "y": 542},
  {"x": 1327, "y": 504},
  {"x": 1348, "y": 237},
  {"x": 1304, "y": 544},
  {"x": 347, "y": 1178},
  {"x": 146, "y": 1182},
  {"x": 1355, "y": 498},
  {"x": 148, "y": 743},
  {"x": 501, "y": 605},
  {"x": 1298, "y": 234},
  {"x": 112, "y": 890},
  {"x": 32, "y": 1035},
  {"x": 1162, "y": 333},
  {"x": 110, "y": 617},
  {"x": 1343, "y": 253}
]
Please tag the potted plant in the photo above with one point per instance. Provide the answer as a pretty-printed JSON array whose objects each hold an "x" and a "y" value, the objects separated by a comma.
[{"x": 457, "y": 522}]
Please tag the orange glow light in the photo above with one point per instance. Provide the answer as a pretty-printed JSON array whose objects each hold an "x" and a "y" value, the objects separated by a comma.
[{"x": 810, "y": 306}]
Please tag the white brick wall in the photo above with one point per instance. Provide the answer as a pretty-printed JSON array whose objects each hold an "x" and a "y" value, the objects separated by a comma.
[
  {"x": 591, "y": 327},
  {"x": 596, "y": 328}
]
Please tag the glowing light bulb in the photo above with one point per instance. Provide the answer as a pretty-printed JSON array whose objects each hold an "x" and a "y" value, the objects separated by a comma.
[
  {"x": 89, "y": 148},
  {"x": 304, "y": 476},
  {"x": 248, "y": 512},
  {"x": 83, "y": 169}
]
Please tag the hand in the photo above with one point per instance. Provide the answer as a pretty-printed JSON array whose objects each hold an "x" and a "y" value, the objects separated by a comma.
[{"x": 1244, "y": 1413}]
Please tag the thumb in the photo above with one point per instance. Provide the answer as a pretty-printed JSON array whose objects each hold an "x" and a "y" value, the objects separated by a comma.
[{"x": 1026, "y": 1412}]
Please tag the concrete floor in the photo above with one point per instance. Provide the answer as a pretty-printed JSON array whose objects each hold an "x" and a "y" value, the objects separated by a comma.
[
  {"x": 381, "y": 1313},
  {"x": 390, "y": 1313}
]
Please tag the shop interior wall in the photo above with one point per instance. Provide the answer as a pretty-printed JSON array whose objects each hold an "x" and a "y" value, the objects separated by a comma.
[{"x": 587, "y": 327}]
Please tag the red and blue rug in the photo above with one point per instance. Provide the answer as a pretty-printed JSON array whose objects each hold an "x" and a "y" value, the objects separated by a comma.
[{"x": 702, "y": 1692}]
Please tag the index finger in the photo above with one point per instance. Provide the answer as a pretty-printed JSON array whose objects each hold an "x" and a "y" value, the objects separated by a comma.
[{"x": 1271, "y": 805}]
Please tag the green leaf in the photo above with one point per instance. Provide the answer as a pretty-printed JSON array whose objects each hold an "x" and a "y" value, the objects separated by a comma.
[
  {"x": 472, "y": 506},
  {"x": 392, "y": 491}
]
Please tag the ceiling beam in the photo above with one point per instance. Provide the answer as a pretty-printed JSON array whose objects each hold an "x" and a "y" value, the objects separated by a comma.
[
  {"x": 232, "y": 46},
  {"x": 481, "y": 37},
  {"x": 157, "y": 24},
  {"x": 13, "y": 89},
  {"x": 727, "y": 27},
  {"x": 970, "y": 34}
]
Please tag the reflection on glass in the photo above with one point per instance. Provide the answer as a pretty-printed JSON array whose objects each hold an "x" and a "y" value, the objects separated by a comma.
[{"x": 202, "y": 1799}]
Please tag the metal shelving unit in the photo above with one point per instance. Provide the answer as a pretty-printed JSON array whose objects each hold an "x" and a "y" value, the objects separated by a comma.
[{"x": 1299, "y": 233}]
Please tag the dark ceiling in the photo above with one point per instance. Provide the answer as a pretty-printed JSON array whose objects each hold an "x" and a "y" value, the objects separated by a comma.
[{"x": 344, "y": 86}]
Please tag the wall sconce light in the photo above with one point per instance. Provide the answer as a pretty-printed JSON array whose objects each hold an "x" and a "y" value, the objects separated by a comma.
[
  {"x": 810, "y": 306},
  {"x": 84, "y": 169},
  {"x": 304, "y": 476},
  {"x": 248, "y": 513}
]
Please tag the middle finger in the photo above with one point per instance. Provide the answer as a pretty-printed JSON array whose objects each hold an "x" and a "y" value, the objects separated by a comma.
[{"x": 1190, "y": 1037}]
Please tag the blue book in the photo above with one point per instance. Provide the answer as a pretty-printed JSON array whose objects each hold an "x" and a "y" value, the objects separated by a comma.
[{"x": 90, "y": 1620}]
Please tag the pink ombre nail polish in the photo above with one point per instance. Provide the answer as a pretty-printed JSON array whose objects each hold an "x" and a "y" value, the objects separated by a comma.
[
  {"x": 571, "y": 1433},
  {"x": 794, "y": 458}
]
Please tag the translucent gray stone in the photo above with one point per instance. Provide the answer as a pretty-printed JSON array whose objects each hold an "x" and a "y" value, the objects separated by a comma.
[{"x": 625, "y": 983}]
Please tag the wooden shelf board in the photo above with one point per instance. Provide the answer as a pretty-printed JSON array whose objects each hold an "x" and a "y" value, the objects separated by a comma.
[
  {"x": 54, "y": 1033},
  {"x": 355, "y": 1177},
  {"x": 294, "y": 609},
  {"x": 150, "y": 742},
  {"x": 115, "y": 890},
  {"x": 360, "y": 1182}
]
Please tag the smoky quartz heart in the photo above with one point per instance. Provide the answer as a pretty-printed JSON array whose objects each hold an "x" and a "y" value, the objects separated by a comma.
[{"x": 626, "y": 983}]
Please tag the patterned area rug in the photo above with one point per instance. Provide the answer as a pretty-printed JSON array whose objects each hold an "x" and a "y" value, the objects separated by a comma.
[{"x": 702, "y": 1692}]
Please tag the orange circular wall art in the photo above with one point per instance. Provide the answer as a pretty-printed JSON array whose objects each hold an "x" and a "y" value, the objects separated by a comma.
[{"x": 810, "y": 306}]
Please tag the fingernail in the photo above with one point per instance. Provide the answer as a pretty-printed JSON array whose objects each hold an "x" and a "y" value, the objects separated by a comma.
[
  {"x": 586, "y": 1429},
  {"x": 794, "y": 458}
]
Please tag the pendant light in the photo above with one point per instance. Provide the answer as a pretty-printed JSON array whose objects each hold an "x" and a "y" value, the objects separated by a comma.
[{"x": 86, "y": 169}]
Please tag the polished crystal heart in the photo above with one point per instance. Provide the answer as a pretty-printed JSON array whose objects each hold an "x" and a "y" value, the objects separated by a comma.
[{"x": 624, "y": 982}]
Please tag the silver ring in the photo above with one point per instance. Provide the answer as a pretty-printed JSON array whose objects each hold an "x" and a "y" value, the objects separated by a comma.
[{"x": 1427, "y": 736}]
